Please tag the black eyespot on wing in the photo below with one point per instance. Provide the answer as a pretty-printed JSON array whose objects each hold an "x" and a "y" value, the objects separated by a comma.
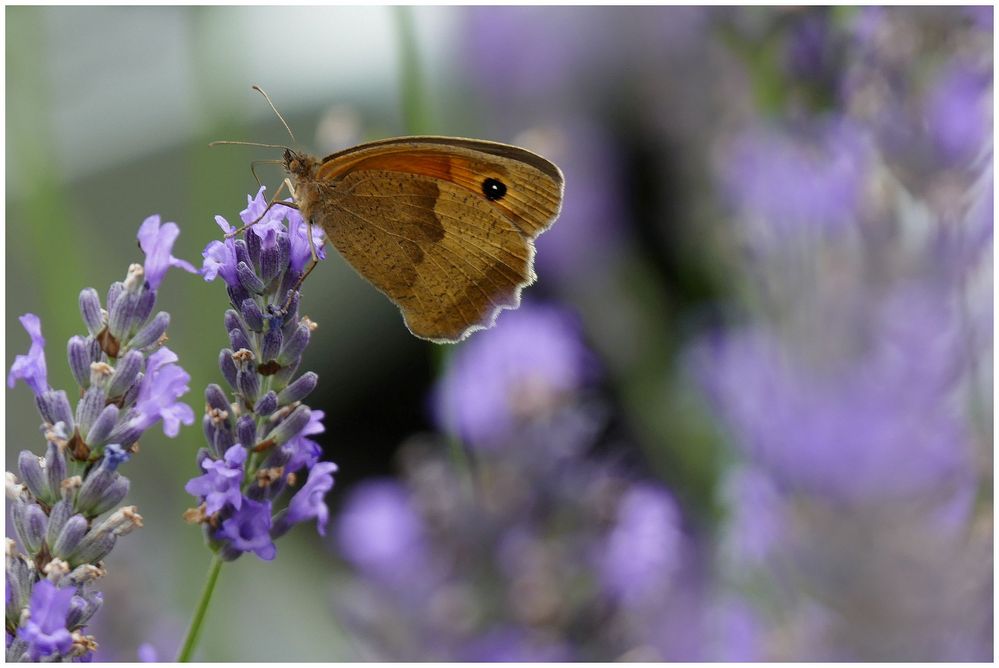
[{"x": 493, "y": 189}]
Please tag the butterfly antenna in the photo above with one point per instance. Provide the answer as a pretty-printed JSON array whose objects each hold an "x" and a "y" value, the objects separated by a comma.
[
  {"x": 248, "y": 143},
  {"x": 268, "y": 98}
]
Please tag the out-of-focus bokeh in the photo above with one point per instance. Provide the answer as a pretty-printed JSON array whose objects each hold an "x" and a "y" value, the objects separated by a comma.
[{"x": 744, "y": 414}]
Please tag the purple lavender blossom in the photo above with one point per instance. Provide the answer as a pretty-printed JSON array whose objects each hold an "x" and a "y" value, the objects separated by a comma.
[
  {"x": 783, "y": 185},
  {"x": 380, "y": 532},
  {"x": 220, "y": 256},
  {"x": 521, "y": 369},
  {"x": 220, "y": 485},
  {"x": 644, "y": 549},
  {"x": 309, "y": 502},
  {"x": 31, "y": 367},
  {"x": 157, "y": 242},
  {"x": 305, "y": 452},
  {"x": 249, "y": 529},
  {"x": 164, "y": 383},
  {"x": 958, "y": 113},
  {"x": 45, "y": 630}
]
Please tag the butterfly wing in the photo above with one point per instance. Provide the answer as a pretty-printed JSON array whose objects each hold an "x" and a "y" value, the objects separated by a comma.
[{"x": 414, "y": 218}]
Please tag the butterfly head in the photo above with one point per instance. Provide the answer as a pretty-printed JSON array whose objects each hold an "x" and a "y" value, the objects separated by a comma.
[{"x": 299, "y": 165}]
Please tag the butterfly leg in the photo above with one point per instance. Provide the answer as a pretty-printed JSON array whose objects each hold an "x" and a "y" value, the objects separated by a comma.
[{"x": 301, "y": 279}]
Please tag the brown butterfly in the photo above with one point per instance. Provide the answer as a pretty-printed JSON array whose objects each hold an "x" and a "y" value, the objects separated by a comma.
[{"x": 444, "y": 226}]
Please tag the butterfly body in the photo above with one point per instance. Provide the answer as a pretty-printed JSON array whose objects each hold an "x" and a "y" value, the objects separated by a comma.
[{"x": 443, "y": 226}]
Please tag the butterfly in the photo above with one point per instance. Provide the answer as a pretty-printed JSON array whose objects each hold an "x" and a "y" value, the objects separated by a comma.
[{"x": 443, "y": 226}]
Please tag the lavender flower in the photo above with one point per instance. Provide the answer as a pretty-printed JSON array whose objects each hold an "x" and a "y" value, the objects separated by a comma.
[
  {"x": 520, "y": 371},
  {"x": 60, "y": 502},
  {"x": 258, "y": 442},
  {"x": 45, "y": 631}
]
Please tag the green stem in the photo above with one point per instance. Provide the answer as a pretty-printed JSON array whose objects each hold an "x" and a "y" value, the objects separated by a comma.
[
  {"x": 194, "y": 631},
  {"x": 414, "y": 108}
]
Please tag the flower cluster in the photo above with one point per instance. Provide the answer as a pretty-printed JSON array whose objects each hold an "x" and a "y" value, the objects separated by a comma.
[
  {"x": 63, "y": 504},
  {"x": 850, "y": 388},
  {"x": 555, "y": 554},
  {"x": 259, "y": 444}
]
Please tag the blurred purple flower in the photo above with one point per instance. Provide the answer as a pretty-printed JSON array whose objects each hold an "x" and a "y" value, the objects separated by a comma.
[
  {"x": 643, "y": 551},
  {"x": 31, "y": 367},
  {"x": 958, "y": 112},
  {"x": 756, "y": 525},
  {"x": 808, "y": 48},
  {"x": 161, "y": 387},
  {"x": 157, "y": 242},
  {"x": 309, "y": 502},
  {"x": 782, "y": 185},
  {"x": 593, "y": 210},
  {"x": 45, "y": 630},
  {"x": 380, "y": 532},
  {"x": 249, "y": 530},
  {"x": 515, "y": 645},
  {"x": 220, "y": 485},
  {"x": 879, "y": 427},
  {"x": 523, "y": 368}
]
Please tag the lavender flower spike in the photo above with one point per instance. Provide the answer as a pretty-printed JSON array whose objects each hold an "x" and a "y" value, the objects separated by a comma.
[
  {"x": 127, "y": 383},
  {"x": 259, "y": 446}
]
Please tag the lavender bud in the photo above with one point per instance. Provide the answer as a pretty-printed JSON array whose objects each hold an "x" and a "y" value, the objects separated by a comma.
[
  {"x": 284, "y": 248},
  {"x": 114, "y": 494},
  {"x": 237, "y": 294},
  {"x": 90, "y": 407},
  {"x": 135, "y": 278},
  {"x": 114, "y": 293},
  {"x": 215, "y": 398},
  {"x": 228, "y": 367},
  {"x": 20, "y": 577},
  {"x": 128, "y": 399},
  {"x": 232, "y": 321},
  {"x": 30, "y": 523},
  {"x": 55, "y": 465},
  {"x": 32, "y": 469},
  {"x": 299, "y": 389},
  {"x": 82, "y": 608},
  {"x": 250, "y": 281},
  {"x": 253, "y": 248},
  {"x": 295, "y": 345},
  {"x": 270, "y": 263},
  {"x": 69, "y": 538},
  {"x": 202, "y": 455},
  {"x": 94, "y": 547},
  {"x": 78, "y": 352},
  {"x": 238, "y": 340},
  {"x": 246, "y": 431},
  {"x": 271, "y": 344},
  {"x": 243, "y": 251},
  {"x": 60, "y": 513},
  {"x": 125, "y": 373},
  {"x": 90, "y": 309},
  {"x": 248, "y": 384},
  {"x": 291, "y": 426},
  {"x": 121, "y": 315},
  {"x": 151, "y": 332},
  {"x": 93, "y": 490},
  {"x": 252, "y": 315},
  {"x": 267, "y": 404},
  {"x": 143, "y": 309},
  {"x": 102, "y": 426},
  {"x": 55, "y": 408},
  {"x": 56, "y": 570}
]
